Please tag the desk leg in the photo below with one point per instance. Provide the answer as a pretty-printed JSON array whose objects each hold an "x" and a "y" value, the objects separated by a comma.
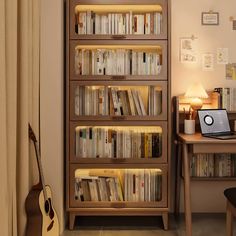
[
  {"x": 187, "y": 198},
  {"x": 178, "y": 179}
]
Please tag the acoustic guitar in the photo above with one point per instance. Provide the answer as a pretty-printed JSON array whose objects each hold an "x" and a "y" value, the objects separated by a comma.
[{"x": 42, "y": 218}]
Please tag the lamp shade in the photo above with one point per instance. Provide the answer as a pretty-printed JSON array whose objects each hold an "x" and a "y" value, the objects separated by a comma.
[{"x": 196, "y": 91}]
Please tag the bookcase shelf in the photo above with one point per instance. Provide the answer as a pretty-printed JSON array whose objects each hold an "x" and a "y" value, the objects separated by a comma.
[
  {"x": 119, "y": 78},
  {"x": 117, "y": 108},
  {"x": 120, "y": 37}
]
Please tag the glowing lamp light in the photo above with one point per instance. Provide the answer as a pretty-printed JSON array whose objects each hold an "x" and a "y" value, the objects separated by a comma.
[{"x": 196, "y": 92}]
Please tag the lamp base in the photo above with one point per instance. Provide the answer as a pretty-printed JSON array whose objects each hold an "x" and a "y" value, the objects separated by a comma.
[{"x": 196, "y": 104}]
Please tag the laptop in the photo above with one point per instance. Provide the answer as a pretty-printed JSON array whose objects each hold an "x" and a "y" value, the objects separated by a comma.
[{"x": 214, "y": 123}]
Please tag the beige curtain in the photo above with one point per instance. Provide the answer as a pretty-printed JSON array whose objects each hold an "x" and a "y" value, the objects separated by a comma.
[{"x": 19, "y": 104}]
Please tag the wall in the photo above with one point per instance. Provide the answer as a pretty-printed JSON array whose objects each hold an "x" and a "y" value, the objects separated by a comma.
[
  {"x": 52, "y": 100},
  {"x": 186, "y": 21}
]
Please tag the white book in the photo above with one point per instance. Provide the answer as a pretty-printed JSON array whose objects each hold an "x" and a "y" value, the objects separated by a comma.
[
  {"x": 116, "y": 23},
  {"x": 130, "y": 22},
  {"x": 127, "y": 30},
  {"x": 141, "y": 186},
  {"x": 102, "y": 25},
  {"x": 106, "y": 103},
  {"x": 123, "y": 24},
  {"x": 155, "y": 22},
  {"x": 93, "y": 62},
  {"x": 112, "y": 23},
  {"x": 88, "y": 23},
  {"x": 114, "y": 62},
  {"x": 120, "y": 23},
  {"x": 135, "y": 97},
  {"x": 77, "y": 101},
  {"x": 97, "y": 24},
  {"x": 109, "y": 63},
  {"x": 77, "y": 144},
  {"x": 100, "y": 142},
  {"x": 148, "y": 63},
  {"x": 84, "y": 19},
  {"x": 106, "y": 142},
  {"x": 159, "y": 22},
  {"x": 94, "y": 143},
  {"x": 144, "y": 113},
  {"x": 101, "y": 100},
  {"x": 152, "y": 65},
  {"x": 99, "y": 62},
  {"x": 121, "y": 61},
  {"x": 106, "y": 28},
  {"x": 140, "y": 24},
  {"x": 115, "y": 101},
  {"x": 134, "y": 63},
  {"x": 109, "y": 23}
]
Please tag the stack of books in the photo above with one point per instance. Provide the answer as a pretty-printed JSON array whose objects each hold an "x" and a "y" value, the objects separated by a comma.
[
  {"x": 101, "y": 142},
  {"x": 118, "y": 23},
  {"x": 117, "y": 62},
  {"x": 117, "y": 101},
  {"x": 226, "y": 98},
  {"x": 213, "y": 165},
  {"x": 130, "y": 185}
]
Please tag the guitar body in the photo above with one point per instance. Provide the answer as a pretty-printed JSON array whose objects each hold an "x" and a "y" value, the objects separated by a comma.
[{"x": 42, "y": 219}]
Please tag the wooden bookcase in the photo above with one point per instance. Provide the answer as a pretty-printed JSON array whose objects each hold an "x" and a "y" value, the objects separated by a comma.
[{"x": 91, "y": 92}]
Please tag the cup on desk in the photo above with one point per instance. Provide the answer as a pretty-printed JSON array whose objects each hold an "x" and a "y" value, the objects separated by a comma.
[{"x": 189, "y": 126}]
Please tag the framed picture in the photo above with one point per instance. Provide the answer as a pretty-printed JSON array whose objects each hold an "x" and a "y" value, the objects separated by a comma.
[
  {"x": 210, "y": 18},
  {"x": 188, "y": 50},
  {"x": 207, "y": 62}
]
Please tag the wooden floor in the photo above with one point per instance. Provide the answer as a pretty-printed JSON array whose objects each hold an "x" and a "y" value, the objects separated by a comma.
[{"x": 203, "y": 225}]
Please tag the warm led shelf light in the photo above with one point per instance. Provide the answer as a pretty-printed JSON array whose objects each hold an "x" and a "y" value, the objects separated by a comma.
[{"x": 119, "y": 8}]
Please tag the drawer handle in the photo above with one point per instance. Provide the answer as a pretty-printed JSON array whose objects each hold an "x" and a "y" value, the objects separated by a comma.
[
  {"x": 118, "y": 205},
  {"x": 118, "y": 117},
  {"x": 119, "y": 36},
  {"x": 118, "y": 77},
  {"x": 118, "y": 160}
]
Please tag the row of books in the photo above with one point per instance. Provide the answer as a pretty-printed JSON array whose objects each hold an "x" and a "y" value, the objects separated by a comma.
[
  {"x": 213, "y": 165},
  {"x": 117, "y": 62},
  {"x": 94, "y": 142},
  {"x": 226, "y": 98},
  {"x": 118, "y": 23},
  {"x": 134, "y": 186},
  {"x": 116, "y": 101}
]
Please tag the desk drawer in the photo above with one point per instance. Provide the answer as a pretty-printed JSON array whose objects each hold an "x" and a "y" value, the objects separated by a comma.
[{"x": 214, "y": 148}]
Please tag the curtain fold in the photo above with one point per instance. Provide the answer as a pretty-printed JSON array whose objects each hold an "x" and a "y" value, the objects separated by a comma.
[{"x": 19, "y": 104}]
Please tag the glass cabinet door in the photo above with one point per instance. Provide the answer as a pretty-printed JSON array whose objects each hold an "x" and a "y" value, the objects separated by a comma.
[
  {"x": 116, "y": 143},
  {"x": 119, "y": 187}
]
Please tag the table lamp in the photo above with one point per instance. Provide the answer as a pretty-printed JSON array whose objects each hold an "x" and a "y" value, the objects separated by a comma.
[{"x": 196, "y": 92}]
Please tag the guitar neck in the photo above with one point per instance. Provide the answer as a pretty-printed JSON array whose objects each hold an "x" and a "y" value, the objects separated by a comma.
[{"x": 40, "y": 168}]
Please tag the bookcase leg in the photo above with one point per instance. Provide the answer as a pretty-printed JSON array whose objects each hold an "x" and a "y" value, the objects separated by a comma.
[
  {"x": 165, "y": 220},
  {"x": 71, "y": 221}
]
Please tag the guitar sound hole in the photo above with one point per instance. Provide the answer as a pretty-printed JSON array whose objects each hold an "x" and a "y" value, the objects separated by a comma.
[{"x": 47, "y": 206}]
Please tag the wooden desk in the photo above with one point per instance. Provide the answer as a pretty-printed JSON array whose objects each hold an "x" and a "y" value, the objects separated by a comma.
[{"x": 198, "y": 144}]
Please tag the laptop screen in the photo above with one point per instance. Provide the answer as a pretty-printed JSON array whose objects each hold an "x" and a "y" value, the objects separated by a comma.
[{"x": 213, "y": 121}]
